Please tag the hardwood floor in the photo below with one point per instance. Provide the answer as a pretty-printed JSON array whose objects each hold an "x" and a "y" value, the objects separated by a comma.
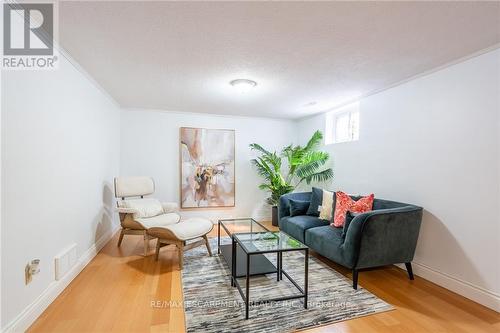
[{"x": 122, "y": 291}]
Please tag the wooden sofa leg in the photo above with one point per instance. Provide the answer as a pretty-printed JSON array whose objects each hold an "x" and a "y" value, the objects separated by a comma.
[
  {"x": 355, "y": 279},
  {"x": 409, "y": 269},
  {"x": 208, "y": 245},
  {"x": 122, "y": 232}
]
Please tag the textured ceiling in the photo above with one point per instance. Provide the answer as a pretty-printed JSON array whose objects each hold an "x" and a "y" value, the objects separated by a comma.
[{"x": 180, "y": 56}]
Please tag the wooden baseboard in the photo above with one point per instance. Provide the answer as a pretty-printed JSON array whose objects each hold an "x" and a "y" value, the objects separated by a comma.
[
  {"x": 28, "y": 316},
  {"x": 475, "y": 293}
]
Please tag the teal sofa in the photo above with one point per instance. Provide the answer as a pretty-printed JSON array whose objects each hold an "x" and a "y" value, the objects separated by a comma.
[{"x": 386, "y": 235}]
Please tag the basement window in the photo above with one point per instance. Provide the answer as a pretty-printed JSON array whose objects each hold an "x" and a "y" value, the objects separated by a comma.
[{"x": 342, "y": 125}]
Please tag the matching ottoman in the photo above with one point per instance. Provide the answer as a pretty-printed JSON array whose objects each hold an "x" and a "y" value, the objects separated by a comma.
[{"x": 178, "y": 235}]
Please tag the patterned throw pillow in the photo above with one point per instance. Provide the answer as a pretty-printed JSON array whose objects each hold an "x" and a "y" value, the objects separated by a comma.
[
  {"x": 345, "y": 203},
  {"x": 327, "y": 204}
]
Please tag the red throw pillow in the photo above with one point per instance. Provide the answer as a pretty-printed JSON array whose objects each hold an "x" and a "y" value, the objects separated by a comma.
[{"x": 345, "y": 203}]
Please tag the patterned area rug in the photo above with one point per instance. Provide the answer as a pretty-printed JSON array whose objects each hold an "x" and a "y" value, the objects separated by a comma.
[{"x": 212, "y": 305}]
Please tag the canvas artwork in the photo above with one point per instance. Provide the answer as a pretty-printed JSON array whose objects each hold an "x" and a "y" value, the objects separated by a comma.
[{"x": 207, "y": 167}]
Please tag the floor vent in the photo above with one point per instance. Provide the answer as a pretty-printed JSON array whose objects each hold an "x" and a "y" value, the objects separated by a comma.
[{"x": 65, "y": 261}]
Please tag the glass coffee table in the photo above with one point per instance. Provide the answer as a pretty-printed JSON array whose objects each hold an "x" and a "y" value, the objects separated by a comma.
[
  {"x": 248, "y": 249},
  {"x": 260, "y": 264}
]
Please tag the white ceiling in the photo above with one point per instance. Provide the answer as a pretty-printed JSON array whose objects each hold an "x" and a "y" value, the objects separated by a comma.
[{"x": 180, "y": 56}]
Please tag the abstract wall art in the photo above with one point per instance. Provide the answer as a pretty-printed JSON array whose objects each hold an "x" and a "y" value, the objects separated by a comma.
[{"x": 207, "y": 167}]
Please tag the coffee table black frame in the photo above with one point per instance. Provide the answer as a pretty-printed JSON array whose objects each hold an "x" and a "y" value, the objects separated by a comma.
[
  {"x": 279, "y": 272},
  {"x": 252, "y": 269},
  {"x": 260, "y": 264}
]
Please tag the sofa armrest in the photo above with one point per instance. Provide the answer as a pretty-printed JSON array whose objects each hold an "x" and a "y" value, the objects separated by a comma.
[
  {"x": 170, "y": 207},
  {"x": 382, "y": 237}
]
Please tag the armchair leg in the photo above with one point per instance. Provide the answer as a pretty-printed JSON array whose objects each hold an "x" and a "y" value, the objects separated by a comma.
[
  {"x": 146, "y": 243},
  {"x": 157, "y": 251},
  {"x": 122, "y": 232},
  {"x": 409, "y": 269},
  {"x": 355, "y": 278},
  {"x": 207, "y": 245}
]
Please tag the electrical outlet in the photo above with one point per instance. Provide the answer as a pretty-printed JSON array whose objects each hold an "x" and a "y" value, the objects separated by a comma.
[{"x": 31, "y": 269}]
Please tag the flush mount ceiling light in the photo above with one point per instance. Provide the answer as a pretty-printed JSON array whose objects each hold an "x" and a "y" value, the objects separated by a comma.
[{"x": 243, "y": 85}]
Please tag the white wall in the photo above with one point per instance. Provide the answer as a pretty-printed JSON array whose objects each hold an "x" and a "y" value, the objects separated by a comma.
[
  {"x": 60, "y": 151},
  {"x": 150, "y": 147},
  {"x": 434, "y": 142}
]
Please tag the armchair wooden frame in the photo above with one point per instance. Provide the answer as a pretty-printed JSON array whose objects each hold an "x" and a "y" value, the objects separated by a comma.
[
  {"x": 133, "y": 231},
  {"x": 136, "y": 187},
  {"x": 166, "y": 237}
]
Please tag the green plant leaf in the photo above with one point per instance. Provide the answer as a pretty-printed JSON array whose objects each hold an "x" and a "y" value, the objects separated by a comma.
[
  {"x": 314, "y": 141},
  {"x": 311, "y": 162},
  {"x": 256, "y": 146},
  {"x": 262, "y": 168},
  {"x": 320, "y": 176},
  {"x": 303, "y": 164}
]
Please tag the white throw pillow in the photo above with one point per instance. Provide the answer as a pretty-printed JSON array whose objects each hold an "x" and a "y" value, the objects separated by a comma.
[
  {"x": 326, "y": 211},
  {"x": 144, "y": 207}
]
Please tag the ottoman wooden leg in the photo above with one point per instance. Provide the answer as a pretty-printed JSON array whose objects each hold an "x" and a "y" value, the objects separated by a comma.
[
  {"x": 207, "y": 245},
  {"x": 169, "y": 235},
  {"x": 180, "y": 248}
]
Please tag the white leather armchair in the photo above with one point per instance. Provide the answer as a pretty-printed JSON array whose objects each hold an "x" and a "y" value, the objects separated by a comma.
[{"x": 138, "y": 214}]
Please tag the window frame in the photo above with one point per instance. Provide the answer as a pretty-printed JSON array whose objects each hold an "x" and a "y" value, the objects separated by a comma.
[{"x": 332, "y": 119}]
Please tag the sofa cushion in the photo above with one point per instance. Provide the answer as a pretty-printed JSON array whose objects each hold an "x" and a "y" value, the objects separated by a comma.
[
  {"x": 316, "y": 200},
  {"x": 298, "y": 207},
  {"x": 297, "y": 225},
  {"x": 328, "y": 241},
  {"x": 327, "y": 205},
  {"x": 348, "y": 218},
  {"x": 284, "y": 203}
]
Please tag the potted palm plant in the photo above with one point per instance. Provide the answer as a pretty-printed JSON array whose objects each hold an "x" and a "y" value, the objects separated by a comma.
[{"x": 302, "y": 164}]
